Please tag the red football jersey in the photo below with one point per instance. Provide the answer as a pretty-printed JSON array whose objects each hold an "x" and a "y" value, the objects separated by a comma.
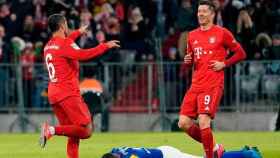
[
  {"x": 61, "y": 57},
  {"x": 210, "y": 45}
]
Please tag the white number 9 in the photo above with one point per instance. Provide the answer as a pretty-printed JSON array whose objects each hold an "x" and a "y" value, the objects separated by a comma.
[
  {"x": 207, "y": 99},
  {"x": 50, "y": 68}
]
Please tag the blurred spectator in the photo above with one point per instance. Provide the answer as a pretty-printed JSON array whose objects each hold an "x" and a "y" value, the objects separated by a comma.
[
  {"x": 262, "y": 16},
  {"x": 171, "y": 77},
  {"x": 39, "y": 10},
  {"x": 275, "y": 16},
  {"x": 112, "y": 28},
  {"x": 182, "y": 44},
  {"x": 170, "y": 10},
  {"x": 21, "y": 8},
  {"x": 186, "y": 19},
  {"x": 57, "y": 6},
  {"x": 275, "y": 50},
  {"x": 229, "y": 15},
  {"x": 135, "y": 32},
  {"x": 4, "y": 58},
  {"x": 219, "y": 10},
  {"x": 27, "y": 60},
  {"x": 5, "y": 53},
  {"x": 17, "y": 44},
  {"x": 28, "y": 31},
  {"x": 240, "y": 3},
  {"x": 170, "y": 42},
  {"x": 149, "y": 10},
  {"x": 262, "y": 47},
  {"x": 95, "y": 6},
  {"x": 119, "y": 9},
  {"x": 100, "y": 37},
  {"x": 9, "y": 21},
  {"x": 40, "y": 20},
  {"x": 87, "y": 19},
  {"x": 104, "y": 14},
  {"x": 81, "y": 4},
  {"x": 245, "y": 30}
]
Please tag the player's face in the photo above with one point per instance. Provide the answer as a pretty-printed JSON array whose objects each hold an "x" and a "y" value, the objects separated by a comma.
[
  {"x": 64, "y": 27},
  {"x": 205, "y": 15}
]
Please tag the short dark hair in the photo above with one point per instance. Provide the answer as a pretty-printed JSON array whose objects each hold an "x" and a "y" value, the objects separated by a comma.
[
  {"x": 210, "y": 4},
  {"x": 54, "y": 22},
  {"x": 109, "y": 155}
]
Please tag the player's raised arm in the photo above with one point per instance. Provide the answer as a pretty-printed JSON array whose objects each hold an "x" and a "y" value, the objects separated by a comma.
[
  {"x": 76, "y": 33},
  {"x": 72, "y": 51},
  {"x": 235, "y": 47}
]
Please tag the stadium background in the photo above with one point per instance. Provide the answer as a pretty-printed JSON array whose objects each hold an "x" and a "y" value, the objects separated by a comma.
[{"x": 140, "y": 86}]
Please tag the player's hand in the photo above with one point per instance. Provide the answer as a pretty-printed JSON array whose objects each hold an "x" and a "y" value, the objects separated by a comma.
[
  {"x": 188, "y": 59},
  {"x": 83, "y": 29},
  {"x": 113, "y": 44},
  {"x": 217, "y": 65}
]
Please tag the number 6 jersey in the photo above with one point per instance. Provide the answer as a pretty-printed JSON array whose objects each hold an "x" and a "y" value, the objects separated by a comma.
[{"x": 61, "y": 57}]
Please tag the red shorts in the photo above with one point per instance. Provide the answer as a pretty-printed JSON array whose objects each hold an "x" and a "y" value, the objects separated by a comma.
[
  {"x": 201, "y": 102},
  {"x": 72, "y": 111}
]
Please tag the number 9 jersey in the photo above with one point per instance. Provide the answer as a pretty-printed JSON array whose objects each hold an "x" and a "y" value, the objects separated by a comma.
[{"x": 207, "y": 47}]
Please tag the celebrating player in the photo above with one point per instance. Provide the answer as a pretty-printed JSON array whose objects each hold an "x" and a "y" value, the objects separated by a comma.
[
  {"x": 61, "y": 56},
  {"x": 207, "y": 50}
]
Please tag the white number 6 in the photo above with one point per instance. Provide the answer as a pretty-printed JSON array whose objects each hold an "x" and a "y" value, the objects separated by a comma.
[
  {"x": 50, "y": 68},
  {"x": 207, "y": 99}
]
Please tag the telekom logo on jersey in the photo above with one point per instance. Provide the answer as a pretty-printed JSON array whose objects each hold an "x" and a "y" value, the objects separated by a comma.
[{"x": 198, "y": 52}]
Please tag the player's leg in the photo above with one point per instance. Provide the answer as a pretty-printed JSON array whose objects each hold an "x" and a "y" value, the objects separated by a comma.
[
  {"x": 187, "y": 113},
  {"x": 208, "y": 102},
  {"x": 78, "y": 114},
  {"x": 73, "y": 147},
  {"x": 48, "y": 131},
  {"x": 73, "y": 142},
  {"x": 74, "y": 121},
  {"x": 206, "y": 134}
]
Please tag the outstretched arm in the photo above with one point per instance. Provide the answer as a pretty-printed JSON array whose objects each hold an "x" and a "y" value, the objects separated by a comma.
[
  {"x": 75, "y": 34},
  {"x": 72, "y": 51}
]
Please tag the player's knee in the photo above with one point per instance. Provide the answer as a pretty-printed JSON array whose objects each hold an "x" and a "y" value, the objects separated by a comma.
[
  {"x": 184, "y": 124},
  {"x": 204, "y": 121},
  {"x": 87, "y": 130},
  {"x": 89, "y": 134}
]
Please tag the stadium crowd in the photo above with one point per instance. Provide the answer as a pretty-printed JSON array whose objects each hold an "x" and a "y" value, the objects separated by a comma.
[{"x": 136, "y": 23}]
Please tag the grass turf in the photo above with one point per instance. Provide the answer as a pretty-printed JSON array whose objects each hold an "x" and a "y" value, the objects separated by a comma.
[{"x": 26, "y": 145}]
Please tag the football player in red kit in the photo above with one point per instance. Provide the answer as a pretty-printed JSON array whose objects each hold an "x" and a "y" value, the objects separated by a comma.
[
  {"x": 207, "y": 50},
  {"x": 62, "y": 56}
]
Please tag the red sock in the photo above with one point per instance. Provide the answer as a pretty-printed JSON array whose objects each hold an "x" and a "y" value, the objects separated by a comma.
[
  {"x": 73, "y": 147},
  {"x": 72, "y": 131},
  {"x": 194, "y": 132},
  {"x": 207, "y": 141}
]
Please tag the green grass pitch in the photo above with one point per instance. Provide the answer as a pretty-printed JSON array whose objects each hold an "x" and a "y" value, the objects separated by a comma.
[{"x": 26, "y": 145}]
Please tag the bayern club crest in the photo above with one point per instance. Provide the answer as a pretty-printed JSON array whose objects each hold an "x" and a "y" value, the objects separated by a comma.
[{"x": 212, "y": 39}]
